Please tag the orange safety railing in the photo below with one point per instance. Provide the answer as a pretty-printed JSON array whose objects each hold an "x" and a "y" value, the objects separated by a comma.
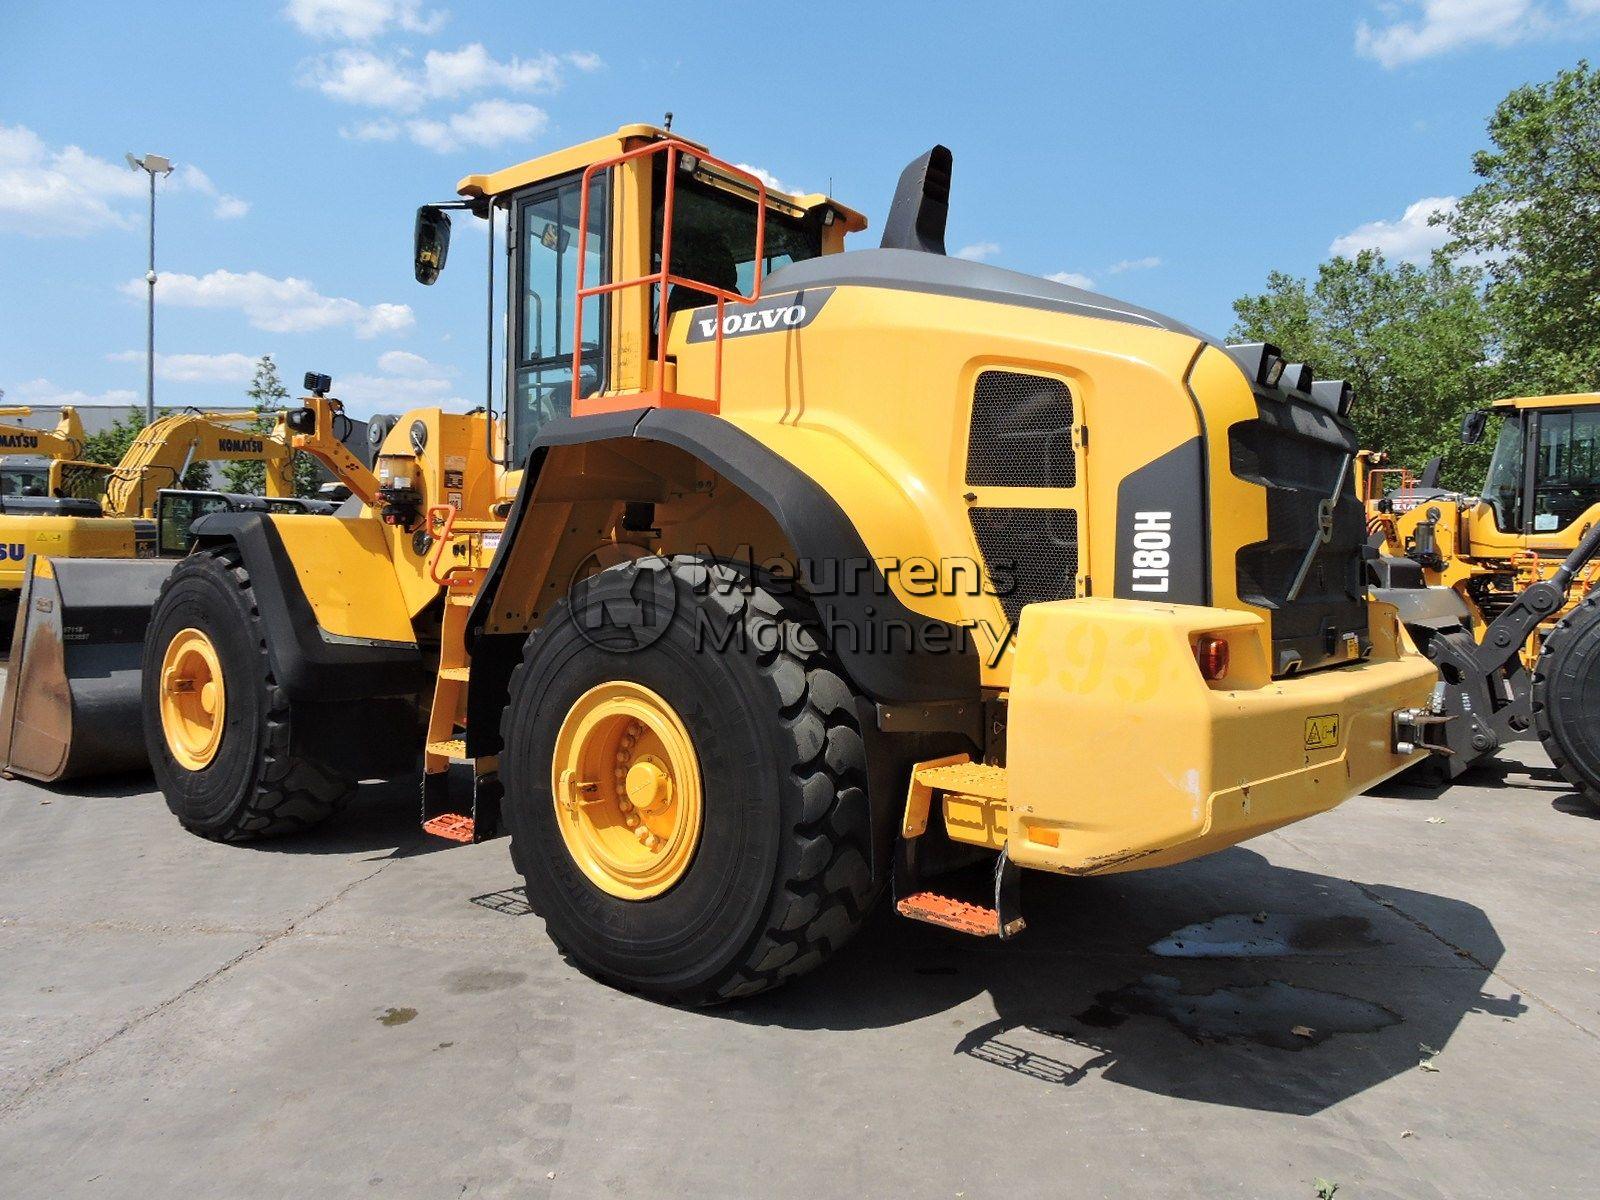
[
  {"x": 664, "y": 278},
  {"x": 1374, "y": 481}
]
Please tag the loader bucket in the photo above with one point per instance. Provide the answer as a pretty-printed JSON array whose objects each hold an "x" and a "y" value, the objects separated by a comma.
[{"x": 71, "y": 706}]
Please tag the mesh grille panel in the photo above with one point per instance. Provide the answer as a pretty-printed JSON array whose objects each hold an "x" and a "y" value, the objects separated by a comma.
[
  {"x": 1021, "y": 432},
  {"x": 1030, "y": 554}
]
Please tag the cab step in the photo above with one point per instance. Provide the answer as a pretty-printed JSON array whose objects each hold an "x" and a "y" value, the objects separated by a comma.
[
  {"x": 958, "y": 915},
  {"x": 455, "y": 749},
  {"x": 457, "y": 827}
]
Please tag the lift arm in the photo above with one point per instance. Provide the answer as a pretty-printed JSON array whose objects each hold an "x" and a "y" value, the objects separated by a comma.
[{"x": 64, "y": 441}]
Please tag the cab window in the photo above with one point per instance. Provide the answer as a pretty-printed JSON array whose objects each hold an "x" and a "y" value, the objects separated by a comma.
[
  {"x": 714, "y": 239},
  {"x": 1502, "y": 488},
  {"x": 177, "y": 514},
  {"x": 1567, "y": 475},
  {"x": 546, "y": 283}
]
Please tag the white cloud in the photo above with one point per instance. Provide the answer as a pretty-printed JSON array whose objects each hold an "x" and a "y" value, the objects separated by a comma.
[
  {"x": 365, "y": 394},
  {"x": 979, "y": 251},
  {"x": 1072, "y": 279},
  {"x": 486, "y": 123},
  {"x": 1148, "y": 263},
  {"x": 1419, "y": 29},
  {"x": 396, "y": 83},
  {"x": 1410, "y": 239},
  {"x": 381, "y": 130},
  {"x": 277, "y": 305},
  {"x": 412, "y": 366},
  {"x": 69, "y": 192},
  {"x": 362, "y": 77},
  {"x": 195, "y": 368},
  {"x": 225, "y": 207},
  {"x": 358, "y": 20},
  {"x": 768, "y": 178},
  {"x": 43, "y": 392}
]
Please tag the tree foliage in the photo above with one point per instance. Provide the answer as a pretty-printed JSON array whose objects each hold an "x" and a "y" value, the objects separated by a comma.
[
  {"x": 266, "y": 393},
  {"x": 1511, "y": 306},
  {"x": 1415, "y": 342},
  {"x": 1535, "y": 221}
]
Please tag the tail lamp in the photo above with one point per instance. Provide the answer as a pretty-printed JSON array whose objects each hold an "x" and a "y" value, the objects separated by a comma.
[{"x": 1211, "y": 655}]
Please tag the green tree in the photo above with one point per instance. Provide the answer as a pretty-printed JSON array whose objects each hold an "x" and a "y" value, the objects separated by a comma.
[
  {"x": 266, "y": 393},
  {"x": 1416, "y": 343},
  {"x": 1535, "y": 221}
]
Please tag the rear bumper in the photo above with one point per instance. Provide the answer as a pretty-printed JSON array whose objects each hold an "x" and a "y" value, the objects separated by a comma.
[{"x": 1121, "y": 757}]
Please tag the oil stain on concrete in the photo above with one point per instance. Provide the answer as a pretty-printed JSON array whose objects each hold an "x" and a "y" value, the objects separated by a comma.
[
  {"x": 397, "y": 1016},
  {"x": 1281, "y": 1015},
  {"x": 1267, "y": 935}
]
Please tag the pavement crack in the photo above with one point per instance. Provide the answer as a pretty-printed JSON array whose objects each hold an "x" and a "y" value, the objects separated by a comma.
[
  {"x": 134, "y": 1022},
  {"x": 1461, "y": 952}
]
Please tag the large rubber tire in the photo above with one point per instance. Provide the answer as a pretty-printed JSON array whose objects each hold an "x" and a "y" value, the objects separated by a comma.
[
  {"x": 255, "y": 785},
  {"x": 781, "y": 877},
  {"x": 1566, "y": 698}
]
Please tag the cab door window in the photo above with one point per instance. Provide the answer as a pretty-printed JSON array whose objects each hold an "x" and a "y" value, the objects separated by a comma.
[
  {"x": 546, "y": 283},
  {"x": 1567, "y": 476}
]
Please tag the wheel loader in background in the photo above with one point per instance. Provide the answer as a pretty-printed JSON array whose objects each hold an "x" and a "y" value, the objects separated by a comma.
[
  {"x": 71, "y": 705},
  {"x": 786, "y": 575},
  {"x": 1498, "y": 588}
]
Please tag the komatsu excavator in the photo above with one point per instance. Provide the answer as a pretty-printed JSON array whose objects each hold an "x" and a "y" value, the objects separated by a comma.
[{"x": 21, "y": 482}]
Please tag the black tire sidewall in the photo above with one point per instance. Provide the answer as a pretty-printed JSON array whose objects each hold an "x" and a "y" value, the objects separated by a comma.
[
  {"x": 1566, "y": 697},
  {"x": 700, "y": 928},
  {"x": 204, "y": 594}
]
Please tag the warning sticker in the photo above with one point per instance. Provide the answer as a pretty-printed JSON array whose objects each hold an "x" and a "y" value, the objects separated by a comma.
[
  {"x": 1322, "y": 733},
  {"x": 454, "y": 479}
]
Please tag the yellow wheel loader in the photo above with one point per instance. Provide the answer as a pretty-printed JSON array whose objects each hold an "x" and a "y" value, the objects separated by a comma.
[
  {"x": 1498, "y": 588},
  {"x": 71, "y": 703},
  {"x": 786, "y": 575}
]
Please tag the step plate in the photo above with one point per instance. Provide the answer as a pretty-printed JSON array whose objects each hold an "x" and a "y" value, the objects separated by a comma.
[
  {"x": 952, "y": 914},
  {"x": 454, "y": 826}
]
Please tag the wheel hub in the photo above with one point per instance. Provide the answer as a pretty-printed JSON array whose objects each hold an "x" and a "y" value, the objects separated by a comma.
[
  {"x": 627, "y": 790},
  {"x": 193, "y": 699}
]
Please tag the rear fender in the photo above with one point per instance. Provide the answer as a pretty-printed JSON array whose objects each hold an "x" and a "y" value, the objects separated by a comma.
[{"x": 370, "y": 651}]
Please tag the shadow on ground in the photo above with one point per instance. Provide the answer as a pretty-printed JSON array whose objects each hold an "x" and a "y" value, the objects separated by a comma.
[{"x": 1306, "y": 992}]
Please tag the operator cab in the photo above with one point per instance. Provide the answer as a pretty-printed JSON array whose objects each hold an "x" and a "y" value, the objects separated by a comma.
[
  {"x": 1559, "y": 482},
  {"x": 722, "y": 241}
]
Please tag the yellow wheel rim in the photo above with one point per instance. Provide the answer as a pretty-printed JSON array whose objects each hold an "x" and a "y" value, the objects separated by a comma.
[
  {"x": 193, "y": 703},
  {"x": 627, "y": 790}
]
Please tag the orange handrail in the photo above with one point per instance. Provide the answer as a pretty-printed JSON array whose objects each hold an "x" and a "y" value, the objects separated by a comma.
[{"x": 664, "y": 278}]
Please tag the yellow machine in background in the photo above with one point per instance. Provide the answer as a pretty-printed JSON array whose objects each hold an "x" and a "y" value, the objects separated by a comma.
[
  {"x": 27, "y": 480},
  {"x": 91, "y": 510},
  {"x": 1518, "y": 565},
  {"x": 785, "y": 572}
]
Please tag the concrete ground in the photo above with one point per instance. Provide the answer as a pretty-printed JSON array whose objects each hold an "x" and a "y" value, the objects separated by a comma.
[{"x": 1398, "y": 997}]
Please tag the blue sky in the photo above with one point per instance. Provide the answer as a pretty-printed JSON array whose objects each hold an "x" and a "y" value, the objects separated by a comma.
[{"x": 1172, "y": 153}]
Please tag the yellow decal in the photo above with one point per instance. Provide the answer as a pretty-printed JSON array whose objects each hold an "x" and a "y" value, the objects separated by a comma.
[{"x": 1322, "y": 733}]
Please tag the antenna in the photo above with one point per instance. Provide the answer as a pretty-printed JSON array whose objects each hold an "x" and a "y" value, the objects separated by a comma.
[{"x": 669, "y": 121}]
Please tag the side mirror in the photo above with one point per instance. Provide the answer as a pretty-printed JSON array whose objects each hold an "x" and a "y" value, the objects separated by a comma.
[
  {"x": 1472, "y": 426},
  {"x": 432, "y": 243}
]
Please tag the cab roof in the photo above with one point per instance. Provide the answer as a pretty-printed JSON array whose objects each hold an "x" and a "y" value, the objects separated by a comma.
[
  {"x": 575, "y": 158},
  {"x": 1568, "y": 400}
]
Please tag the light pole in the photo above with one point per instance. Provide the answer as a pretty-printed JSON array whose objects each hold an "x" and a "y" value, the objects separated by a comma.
[{"x": 152, "y": 165}]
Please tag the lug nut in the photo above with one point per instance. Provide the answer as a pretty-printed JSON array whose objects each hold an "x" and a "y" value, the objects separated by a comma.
[{"x": 632, "y": 821}]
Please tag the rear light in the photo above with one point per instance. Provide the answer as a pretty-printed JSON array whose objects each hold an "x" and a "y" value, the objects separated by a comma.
[{"x": 1211, "y": 653}]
